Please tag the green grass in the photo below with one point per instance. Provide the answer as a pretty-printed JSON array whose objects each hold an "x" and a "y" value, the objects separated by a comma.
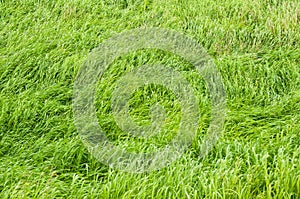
[{"x": 256, "y": 46}]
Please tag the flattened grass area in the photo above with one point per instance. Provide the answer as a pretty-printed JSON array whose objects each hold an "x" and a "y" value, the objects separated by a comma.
[{"x": 256, "y": 46}]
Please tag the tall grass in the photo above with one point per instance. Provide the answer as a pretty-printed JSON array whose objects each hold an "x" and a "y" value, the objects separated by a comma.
[{"x": 255, "y": 45}]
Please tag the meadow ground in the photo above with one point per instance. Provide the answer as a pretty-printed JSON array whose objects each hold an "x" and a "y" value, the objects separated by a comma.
[{"x": 255, "y": 45}]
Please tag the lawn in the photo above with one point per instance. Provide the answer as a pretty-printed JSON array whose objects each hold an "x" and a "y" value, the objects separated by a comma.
[{"x": 254, "y": 44}]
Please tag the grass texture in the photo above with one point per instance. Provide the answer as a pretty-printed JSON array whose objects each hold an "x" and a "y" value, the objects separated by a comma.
[{"x": 255, "y": 45}]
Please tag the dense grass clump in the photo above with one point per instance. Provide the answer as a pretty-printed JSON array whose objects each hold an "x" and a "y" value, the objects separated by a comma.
[{"x": 255, "y": 45}]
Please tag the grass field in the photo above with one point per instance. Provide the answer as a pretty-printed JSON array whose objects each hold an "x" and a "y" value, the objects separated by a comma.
[{"x": 255, "y": 45}]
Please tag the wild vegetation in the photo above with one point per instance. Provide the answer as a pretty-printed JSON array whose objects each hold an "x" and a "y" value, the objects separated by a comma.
[{"x": 255, "y": 45}]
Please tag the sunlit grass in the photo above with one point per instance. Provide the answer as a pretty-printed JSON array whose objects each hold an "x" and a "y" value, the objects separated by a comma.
[{"x": 255, "y": 45}]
